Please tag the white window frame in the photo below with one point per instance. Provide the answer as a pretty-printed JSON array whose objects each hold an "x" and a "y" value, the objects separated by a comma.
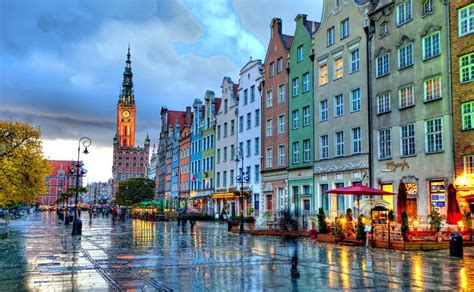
[
  {"x": 299, "y": 54},
  {"x": 269, "y": 158},
  {"x": 306, "y": 82},
  {"x": 405, "y": 56},
  {"x": 468, "y": 164},
  {"x": 406, "y": 8},
  {"x": 384, "y": 144},
  {"x": 432, "y": 88},
  {"x": 272, "y": 69},
  {"x": 331, "y": 37},
  {"x": 434, "y": 135},
  {"x": 281, "y": 155},
  {"x": 296, "y": 119},
  {"x": 345, "y": 28},
  {"x": 427, "y": 6},
  {"x": 269, "y": 98},
  {"x": 306, "y": 116},
  {"x": 355, "y": 100},
  {"x": 466, "y": 68},
  {"x": 323, "y": 74},
  {"x": 323, "y": 147},
  {"x": 323, "y": 110},
  {"x": 269, "y": 128},
  {"x": 356, "y": 137},
  {"x": 355, "y": 61},
  {"x": 467, "y": 115},
  {"x": 281, "y": 93},
  {"x": 281, "y": 124},
  {"x": 306, "y": 150},
  {"x": 295, "y": 83},
  {"x": 431, "y": 45},
  {"x": 467, "y": 19},
  {"x": 338, "y": 69},
  {"x": 382, "y": 64},
  {"x": 384, "y": 101},
  {"x": 410, "y": 99},
  {"x": 279, "y": 65},
  {"x": 296, "y": 152},
  {"x": 339, "y": 144},
  {"x": 339, "y": 105},
  {"x": 407, "y": 140}
]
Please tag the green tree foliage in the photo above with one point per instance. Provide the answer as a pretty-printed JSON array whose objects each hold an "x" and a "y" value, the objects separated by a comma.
[
  {"x": 135, "y": 190},
  {"x": 322, "y": 224},
  {"x": 23, "y": 168}
]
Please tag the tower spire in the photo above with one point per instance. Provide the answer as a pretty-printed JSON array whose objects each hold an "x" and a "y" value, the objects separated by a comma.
[{"x": 127, "y": 96}]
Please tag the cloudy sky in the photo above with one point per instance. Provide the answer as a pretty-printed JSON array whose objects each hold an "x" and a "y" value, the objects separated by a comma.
[{"x": 61, "y": 62}]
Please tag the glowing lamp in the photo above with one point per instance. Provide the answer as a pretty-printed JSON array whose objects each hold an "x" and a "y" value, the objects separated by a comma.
[{"x": 461, "y": 225}]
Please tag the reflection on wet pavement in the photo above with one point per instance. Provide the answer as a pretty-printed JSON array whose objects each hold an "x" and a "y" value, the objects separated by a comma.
[{"x": 41, "y": 255}]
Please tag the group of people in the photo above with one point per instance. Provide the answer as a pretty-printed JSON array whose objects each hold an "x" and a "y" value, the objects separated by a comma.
[
  {"x": 66, "y": 214},
  {"x": 119, "y": 213}
]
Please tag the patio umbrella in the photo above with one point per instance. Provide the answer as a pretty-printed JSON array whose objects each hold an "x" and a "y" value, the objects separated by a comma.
[
  {"x": 368, "y": 204},
  {"x": 401, "y": 200},
  {"x": 453, "y": 212},
  {"x": 358, "y": 191}
]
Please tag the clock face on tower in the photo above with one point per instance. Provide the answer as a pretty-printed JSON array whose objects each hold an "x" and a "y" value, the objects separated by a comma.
[{"x": 125, "y": 114}]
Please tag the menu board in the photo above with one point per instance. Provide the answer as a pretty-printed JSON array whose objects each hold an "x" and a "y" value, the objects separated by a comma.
[{"x": 438, "y": 196}]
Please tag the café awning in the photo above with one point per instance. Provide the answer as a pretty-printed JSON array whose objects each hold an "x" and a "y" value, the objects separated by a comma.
[
  {"x": 199, "y": 197},
  {"x": 224, "y": 196}
]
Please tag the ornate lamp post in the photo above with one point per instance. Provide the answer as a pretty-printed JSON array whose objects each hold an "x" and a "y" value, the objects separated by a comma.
[
  {"x": 79, "y": 171},
  {"x": 243, "y": 176}
]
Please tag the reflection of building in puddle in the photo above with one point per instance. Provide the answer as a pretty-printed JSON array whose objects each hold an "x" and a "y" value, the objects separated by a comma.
[
  {"x": 417, "y": 273},
  {"x": 465, "y": 282},
  {"x": 144, "y": 233},
  {"x": 344, "y": 269}
]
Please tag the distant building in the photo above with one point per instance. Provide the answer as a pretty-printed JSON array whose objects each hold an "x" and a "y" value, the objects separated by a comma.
[
  {"x": 97, "y": 193},
  {"x": 184, "y": 157},
  {"x": 58, "y": 182},
  {"x": 128, "y": 160}
]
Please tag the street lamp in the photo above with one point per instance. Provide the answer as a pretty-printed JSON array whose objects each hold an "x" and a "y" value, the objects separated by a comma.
[
  {"x": 243, "y": 176},
  {"x": 79, "y": 171}
]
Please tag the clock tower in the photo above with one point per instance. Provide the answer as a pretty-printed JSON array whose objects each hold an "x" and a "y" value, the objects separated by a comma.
[{"x": 126, "y": 108}]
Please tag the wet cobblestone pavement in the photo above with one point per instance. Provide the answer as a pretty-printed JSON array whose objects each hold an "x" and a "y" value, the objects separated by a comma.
[{"x": 148, "y": 256}]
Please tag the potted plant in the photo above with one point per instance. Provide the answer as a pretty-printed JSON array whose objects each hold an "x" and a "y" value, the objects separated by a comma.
[
  {"x": 435, "y": 221},
  {"x": 404, "y": 224},
  {"x": 360, "y": 233},
  {"x": 338, "y": 229},
  {"x": 251, "y": 222},
  {"x": 322, "y": 224}
]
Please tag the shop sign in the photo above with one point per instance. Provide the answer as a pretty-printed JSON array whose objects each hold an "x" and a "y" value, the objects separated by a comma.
[{"x": 392, "y": 166}]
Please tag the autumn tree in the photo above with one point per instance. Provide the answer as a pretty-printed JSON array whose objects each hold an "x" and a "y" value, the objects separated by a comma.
[
  {"x": 135, "y": 190},
  {"x": 23, "y": 168}
]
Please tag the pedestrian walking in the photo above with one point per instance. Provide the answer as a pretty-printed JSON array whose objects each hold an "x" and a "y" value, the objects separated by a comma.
[
  {"x": 90, "y": 214},
  {"x": 293, "y": 252},
  {"x": 71, "y": 214},
  {"x": 123, "y": 213}
]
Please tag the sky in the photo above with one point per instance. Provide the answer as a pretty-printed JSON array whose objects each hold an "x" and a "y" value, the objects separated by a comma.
[{"x": 61, "y": 62}]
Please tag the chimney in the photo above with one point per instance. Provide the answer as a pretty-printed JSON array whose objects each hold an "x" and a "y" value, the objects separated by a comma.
[{"x": 276, "y": 26}]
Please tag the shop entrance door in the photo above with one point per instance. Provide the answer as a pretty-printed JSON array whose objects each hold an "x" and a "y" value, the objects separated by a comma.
[
  {"x": 269, "y": 202},
  {"x": 411, "y": 208}
]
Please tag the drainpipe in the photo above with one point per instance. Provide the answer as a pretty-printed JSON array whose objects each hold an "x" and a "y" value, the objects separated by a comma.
[
  {"x": 369, "y": 107},
  {"x": 449, "y": 82}
]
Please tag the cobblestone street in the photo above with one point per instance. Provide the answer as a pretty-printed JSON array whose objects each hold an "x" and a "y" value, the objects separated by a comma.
[{"x": 41, "y": 255}]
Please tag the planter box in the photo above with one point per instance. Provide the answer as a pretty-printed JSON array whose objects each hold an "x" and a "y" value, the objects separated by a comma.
[
  {"x": 446, "y": 235},
  {"x": 422, "y": 236},
  {"x": 329, "y": 238}
]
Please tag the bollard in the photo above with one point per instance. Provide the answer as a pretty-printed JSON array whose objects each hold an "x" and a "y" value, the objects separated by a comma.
[{"x": 456, "y": 245}]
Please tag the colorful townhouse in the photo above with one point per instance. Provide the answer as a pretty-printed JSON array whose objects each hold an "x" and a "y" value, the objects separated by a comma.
[
  {"x": 184, "y": 183},
  {"x": 175, "y": 163},
  {"x": 224, "y": 197},
  {"x": 341, "y": 103},
  {"x": 57, "y": 182},
  {"x": 274, "y": 107},
  {"x": 462, "y": 81},
  {"x": 411, "y": 120},
  {"x": 196, "y": 152},
  {"x": 300, "y": 119},
  {"x": 249, "y": 132}
]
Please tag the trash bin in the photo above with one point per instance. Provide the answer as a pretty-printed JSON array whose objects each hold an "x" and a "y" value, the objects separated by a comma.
[{"x": 456, "y": 245}]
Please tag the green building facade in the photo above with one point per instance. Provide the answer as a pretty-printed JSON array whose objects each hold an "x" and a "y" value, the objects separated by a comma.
[{"x": 300, "y": 119}]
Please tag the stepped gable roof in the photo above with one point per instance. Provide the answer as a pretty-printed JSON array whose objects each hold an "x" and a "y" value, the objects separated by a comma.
[
  {"x": 287, "y": 40},
  {"x": 59, "y": 167}
]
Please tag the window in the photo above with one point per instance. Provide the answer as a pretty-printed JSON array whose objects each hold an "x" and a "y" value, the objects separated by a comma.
[
  {"x": 218, "y": 180},
  {"x": 385, "y": 150},
  {"x": 466, "y": 68},
  {"x": 383, "y": 103},
  {"x": 355, "y": 100},
  {"x": 279, "y": 65},
  {"x": 324, "y": 147},
  {"x": 281, "y": 155},
  {"x": 225, "y": 154},
  {"x": 406, "y": 96},
  {"x": 323, "y": 74},
  {"x": 269, "y": 128},
  {"x": 226, "y": 106},
  {"x": 431, "y": 46},
  {"x": 330, "y": 34},
  {"x": 427, "y": 6},
  {"x": 384, "y": 29},
  {"x": 296, "y": 85},
  {"x": 299, "y": 54},
  {"x": 338, "y": 68},
  {"x": 355, "y": 61},
  {"x": 296, "y": 152},
  {"x": 405, "y": 56},
  {"x": 281, "y": 93},
  {"x": 257, "y": 146},
  {"x": 232, "y": 152},
  {"x": 306, "y": 150},
  {"x": 323, "y": 110},
  {"x": 269, "y": 98},
  {"x": 272, "y": 69},
  {"x": 403, "y": 12},
  {"x": 432, "y": 88},
  {"x": 281, "y": 124},
  {"x": 257, "y": 117},
  {"x": 249, "y": 148},
  {"x": 466, "y": 20},
  {"x": 231, "y": 177},
  {"x": 232, "y": 127},
  {"x": 252, "y": 93},
  {"x": 218, "y": 160},
  {"x": 467, "y": 111},
  {"x": 383, "y": 65},
  {"x": 257, "y": 173},
  {"x": 224, "y": 179},
  {"x": 468, "y": 164},
  {"x": 241, "y": 124},
  {"x": 246, "y": 97},
  {"x": 241, "y": 147},
  {"x": 344, "y": 28},
  {"x": 408, "y": 140},
  {"x": 218, "y": 132},
  {"x": 249, "y": 120},
  {"x": 338, "y": 105},
  {"x": 306, "y": 116},
  {"x": 339, "y": 145},
  {"x": 356, "y": 140},
  {"x": 434, "y": 135},
  {"x": 296, "y": 119},
  {"x": 306, "y": 82}
]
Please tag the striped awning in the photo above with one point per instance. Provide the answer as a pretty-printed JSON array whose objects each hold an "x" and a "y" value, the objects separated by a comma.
[{"x": 224, "y": 196}]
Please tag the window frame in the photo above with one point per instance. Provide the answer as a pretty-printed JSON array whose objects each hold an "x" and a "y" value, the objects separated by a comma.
[
  {"x": 281, "y": 118},
  {"x": 338, "y": 106},
  {"x": 408, "y": 12},
  {"x": 299, "y": 54},
  {"x": 469, "y": 18},
  {"x": 323, "y": 111},
  {"x": 296, "y": 119},
  {"x": 295, "y": 146},
  {"x": 295, "y": 86},
  {"x": 434, "y": 136},
  {"x": 433, "y": 89},
  {"x": 405, "y": 60},
  {"x": 431, "y": 47},
  {"x": 400, "y": 98},
  {"x": 385, "y": 65},
  {"x": 281, "y": 155},
  {"x": 269, "y": 98},
  {"x": 409, "y": 138},
  {"x": 468, "y": 68},
  {"x": 306, "y": 116},
  {"x": 385, "y": 145},
  {"x": 467, "y": 117},
  {"x": 323, "y": 75},
  {"x": 306, "y": 150},
  {"x": 385, "y": 96},
  {"x": 269, "y": 128},
  {"x": 330, "y": 36},
  {"x": 355, "y": 62},
  {"x": 356, "y": 142},
  {"x": 357, "y": 100},
  {"x": 339, "y": 144},
  {"x": 323, "y": 148}
]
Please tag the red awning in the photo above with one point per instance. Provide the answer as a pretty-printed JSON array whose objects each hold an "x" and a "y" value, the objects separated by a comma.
[{"x": 359, "y": 190}]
